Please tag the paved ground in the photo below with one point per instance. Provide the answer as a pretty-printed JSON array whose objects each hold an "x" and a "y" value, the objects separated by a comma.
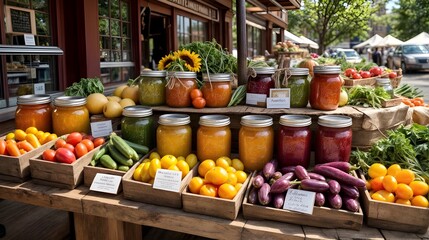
[{"x": 420, "y": 80}]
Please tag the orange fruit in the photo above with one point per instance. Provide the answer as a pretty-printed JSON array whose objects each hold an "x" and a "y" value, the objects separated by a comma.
[
  {"x": 238, "y": 186},
  {"x": 231, "y": 169},
  {"x": 205, "y": 166},
  {"x": 183, "y": 166},
  {"x": 393, "y": 169},
  {"x": 208, "y": 190},
  {"x": 232, "y": 178},
  {"x": 404, "y": 191},
  {"x": 241, "y": 176},
  {"x": 174, "y": 168},
  {"x": 222, "y": 162},
  {"x": 389, "y": 183},
  {"x": 419, "y": 187},
  {"x": 167, "y": 161},
  {"x": 420, "y": 201},
  {"x": 195, "y": 184},
  {"x": 217, "y": 176},
  {"x": 405, "y": 176},
  {"x": 403, "y": 201},
  {"x": 377, "y": 183},
  {"x": 227, "y": 191},
  {"x": 377, "y": 170},
  {"x": 384, "y": 196}
]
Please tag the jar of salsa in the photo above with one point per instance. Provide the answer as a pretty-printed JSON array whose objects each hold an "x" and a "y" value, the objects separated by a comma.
[
  {"x": 152, "y": 88},
  {"x": 333, "y": 138},
  {"x": 137, "y": 125},
  {"x": 70, "y": 115},
  {"x": 299, "y": 85},
  {"x": 179, "y": 87},
  {"x": 255, "y": 141},
  {"x": 213, "y": 137},
  {"x": 325, "y": 87},
  {"x": 294, "y": 141},
  {"x": 260, "y": 82},
  {"x": 174, "y": 135},
  {"x": 217, "y": 89},
  {"x": 34, "y": 111}
]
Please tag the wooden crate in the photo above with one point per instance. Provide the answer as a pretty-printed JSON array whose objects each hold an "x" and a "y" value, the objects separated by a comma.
[
  {"x": 395, "y": 101},
  {"x": 57, "y": 174},
  {"x": 214, "y": 206},
  {"x": 392, "y": 216},
  {"x": 323, "y": 217},
  {"x": 17, "y": 169},
  {"x": 144, "y": 192},
  {"x": 364, "y": 81}
]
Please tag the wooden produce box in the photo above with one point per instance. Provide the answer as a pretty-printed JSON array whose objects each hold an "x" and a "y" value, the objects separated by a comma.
[
  {"x": 144, "y": 192},
  {"x": 17, "y": 169},
  {"x": 60, "y": 175},
  {"x": 393, "y": 216},
  {"x": 395, "y": 101},
  {"x": 364, "y": 81},
  {"x": 214, "y": 206},
  {"x": 323, "y": 217}
]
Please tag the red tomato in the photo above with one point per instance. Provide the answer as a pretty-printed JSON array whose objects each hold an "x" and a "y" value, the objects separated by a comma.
[
  {"x": 365, "y": 74},
  {"x": 356, "y": 76},
  {"x": 74, "y": 138},
  {"x": 376, "y": 71},
  {"x": 64, "y": 155},
  {"x": 349, "y": 72},
  {"x": 49, "y": 155},
  {"x": 393, "y": 75},
  {"x": 80, "y": 150},
  {"x": 69, "y": 147},
  {"x": 60, "y": 143},
  {"x": 98, "y": 141},
  {"x": 196, "y": 93},
  {"x": 88, "y": 144},
  {"x": 88, "y": 136},
  {"x": 2, "y": 146},
  {"x": 199, "y": 102}
]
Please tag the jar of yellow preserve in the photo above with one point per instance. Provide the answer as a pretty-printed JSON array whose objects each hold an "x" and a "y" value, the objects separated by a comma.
[
  {"x": 34, "y": 111},
  {"x": 256, "y": 141},
  {"x": 174, "y": 135},
  {"x": 213, "y": 137},
  {"x": 70, "y": 115}
]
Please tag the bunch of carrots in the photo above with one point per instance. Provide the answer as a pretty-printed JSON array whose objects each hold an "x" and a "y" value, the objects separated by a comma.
[{"x": 414, "y": 102}]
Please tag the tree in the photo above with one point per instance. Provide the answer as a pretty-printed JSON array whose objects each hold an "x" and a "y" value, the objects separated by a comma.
[
  {"x": 410, "y": 18},
  {"x": 332, "y": 21}
]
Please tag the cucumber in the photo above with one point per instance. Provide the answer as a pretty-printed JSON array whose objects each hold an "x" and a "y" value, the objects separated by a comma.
[
  {"x": 138, "y": 147},
  {"x": 123, "y": 147},
  {"x": 96, "y": 157},
  {"x": 123, "y": 168},
  {"x": 107, "y": 162},
  {"x": 119, "y": 157}
]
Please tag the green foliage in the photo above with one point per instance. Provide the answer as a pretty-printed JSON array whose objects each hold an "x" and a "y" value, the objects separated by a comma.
[
  {"x": 367, "y": 96},
  {"x": 85, "y": 87},
  {"x": 410, "y": 18}
]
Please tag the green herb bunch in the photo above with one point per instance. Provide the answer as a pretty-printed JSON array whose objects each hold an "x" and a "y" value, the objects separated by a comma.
[
  {"x": 85, "y": 87},
  {"x": 367, "y": 96}
]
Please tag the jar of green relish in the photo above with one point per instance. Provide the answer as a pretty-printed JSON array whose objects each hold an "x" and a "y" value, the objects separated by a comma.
[
  {"x": 152, "y": 88},
  {"x": 137, "y": 125},
  {"x": 299, "y": 84}
]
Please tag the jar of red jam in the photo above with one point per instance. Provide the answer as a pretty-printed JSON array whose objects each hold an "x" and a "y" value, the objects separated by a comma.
[
  {"x": 294, "y": 140},
  {"x": 217, "y": 89},
  {"x": 333, "y": 139},
  {"x": 325, "y": 87},
  {"x": 179, "y": 87},
  {"x": 260, "y": 82},
  {"x": 34, "y": 111}
]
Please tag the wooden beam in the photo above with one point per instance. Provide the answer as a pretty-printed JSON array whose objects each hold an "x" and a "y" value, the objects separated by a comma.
[{"x": 241, "y": 42}]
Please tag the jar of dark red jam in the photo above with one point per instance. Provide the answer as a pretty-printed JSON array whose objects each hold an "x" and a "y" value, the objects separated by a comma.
[
  {"x": 259, "y": 84},
  {"x": 293, "y": 141},
  {"x": 333, "y": 139},
  {"x": 325, "y": 87}
]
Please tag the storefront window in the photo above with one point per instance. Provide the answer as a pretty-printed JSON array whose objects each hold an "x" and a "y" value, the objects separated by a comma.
[
  {"x": 190, "y": 30},
  {"x": 254, "y": 41}
]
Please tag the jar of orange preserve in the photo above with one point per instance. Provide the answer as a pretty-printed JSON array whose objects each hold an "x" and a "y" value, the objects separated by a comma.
[
  {"x": 174, "y": 135},
  {"x": 255, "y": 141},
  {"x": 34, "y": 111},
  {"x": 325, "y": 87},
  {"x": 217, "y": 89},
  {"x": 213, "y": 137},
  {"x": 70, "y": 115},
  {"x": 179, "y": 87}
]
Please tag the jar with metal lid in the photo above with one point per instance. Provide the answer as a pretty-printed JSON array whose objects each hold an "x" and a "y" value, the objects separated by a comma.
[
  {"x": 213, "y": 137},
  {"x": 299, "y": 84},
  {"x": 333, "y": 138},
  {"x": 70, "y": 115},
  {"x": 152, "y": 88},
  {"x": 255, "y": 141},
  {"x": 179, "y": 87},
  {"x": 217, "y": 89},
  {"x": 325, "y": 87},
  {"x": 294, "y": 141},
  {"x": 137, "y": 125},
  {"x": 259, "y": 83},
  {"x": 386, "y": 85},
  {"x": 174, "y": 135},
  {"x": 34, "y": 111}
]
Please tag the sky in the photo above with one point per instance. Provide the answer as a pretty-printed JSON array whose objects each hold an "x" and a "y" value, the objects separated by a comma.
[{"x": 391, "y": 4}]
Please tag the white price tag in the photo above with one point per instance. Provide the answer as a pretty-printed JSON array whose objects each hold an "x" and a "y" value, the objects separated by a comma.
[
  {"x": 256, "y": 99},
  {"x": 39, "y": 88},
  {"x": 101, "y": 129},
  {"x": 299, "y": 201},
  {"x": 106, "y": 183},
  {"x": 278, "y": 102},
  {"x": 168, "y": 180},
  {"x": 29, "y": 40}
]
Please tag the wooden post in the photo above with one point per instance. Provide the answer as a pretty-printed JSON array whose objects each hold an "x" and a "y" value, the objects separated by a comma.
[{"x": 241, "y": 42}]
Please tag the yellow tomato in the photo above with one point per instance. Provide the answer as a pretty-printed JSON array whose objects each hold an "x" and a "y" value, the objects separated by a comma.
[
  {"x": 238, "y": 186},
  {"x": 167, "y": 161},
  {"x": 404, "y": 191},
  {"x": 137, "y": 172},
  {"x": 183, "y": 166},
  {"x": 10, "y": 136},
  {"x": 217, "y": 176},
  {"x": 174, "y": 168},
  {"x": 384, "y": 196},
  {"x": 420, "y": 201},
  {"x": 241, "y": 176},
  {"x": 231, "y": 169},
  {"x": 192, "y": 160},
  {"x": 237, "y": 164},
  {"x": 145, "y": 175},
  {"x": 155, "y": 164},
  {"x": 32, "y": 130},
  {"x": 377, "y": 170},
  {"x": 232, "y": 178},
  {"x": 208, "y": 190},
  {"x": 50, "y": 137},
  {"x": 154, "y": 155},
  {"x": 419, "y": 187},
  {"x": 195, "y": 184},
  {"x": 205, "y": 166},
  {"x": 227, "y": 191},
  {"x": 393, "y": 169},
  {"x": 405, "y": 176},
  {"x": 403, "y": 201},
  {"x": 389, "y": 183},
  {"x": 227, "y": 159},
  {"x": 20, "y": 135},
  {"x": 222, "y": 162}
]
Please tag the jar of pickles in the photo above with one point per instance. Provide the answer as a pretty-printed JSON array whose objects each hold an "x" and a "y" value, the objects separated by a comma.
[
  {"x": 174, "y": 135},
  {"x": 333, "y": 138},
  {"x": 213, "y": 137},
  {"x": 34, "y": 111},
  {"x": 260, "y": 82},
  {"x": 70, "y": 115},
  {"x": 299, "y": 84},
  {"x": 152, "y": 88},
  {"x": 217, "y": 89},
  {"x": 325, "y": 87},
  {"x": 179, "y": 87},
  {"x": 294, "y": 141},
  {"x": 386, "y": 85},
  {"x": 137, "y": 125},
  {"x": 255, "y": 141}
]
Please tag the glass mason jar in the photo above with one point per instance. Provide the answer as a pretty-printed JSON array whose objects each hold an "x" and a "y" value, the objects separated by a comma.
[
  {"x": 333, "y": 138},
  {"x": 179, "y": 87},
  {"x": 137, "y": 125},
  {"x": 260, "y": 83},
  {"x": 174, "y": 135},
  {"x": 255, "y": 141},
  {"x": 325, "y": 87},
  {"x": 299, "y": 85},
  {"x": 34, "y": 111},
  {"x": 386, "y": 84},
  {"x": 217, "y": 89},
  {"x": 70, "y": 115},
  {"x": 213, "y": 137},
  {"x": 152, "y": 88},
  {"x": 294, "y": 141}
]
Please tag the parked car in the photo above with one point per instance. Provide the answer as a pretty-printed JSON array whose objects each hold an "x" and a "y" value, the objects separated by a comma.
[
  {"x": 349, "y": 54},
  {"x": 411, "y": 57}
]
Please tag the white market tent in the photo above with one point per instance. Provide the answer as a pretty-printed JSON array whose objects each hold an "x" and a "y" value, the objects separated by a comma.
[
  {"x": 389, "y": 41},
  {"x": 309, "y": 42},
  {"x": 371, "y": 42},
  {"x": 422, "y": 38},
  {"x": 291, "y": 37}
]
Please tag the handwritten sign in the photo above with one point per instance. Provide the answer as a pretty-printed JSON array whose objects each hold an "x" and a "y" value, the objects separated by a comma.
[
  {"x": 101, "y": 128},
  {"x": 39, "y": 88},
  {"x": 106, "y": 183},
  {"x": 299, "y": 201},
  {"x": 20, "y": 20},
  {"x": 168, "y": 180}
]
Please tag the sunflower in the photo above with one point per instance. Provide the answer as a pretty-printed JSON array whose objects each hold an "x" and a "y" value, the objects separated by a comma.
[
  {"x": 165, "y": 61},
  {"x": 192, "y": 61}
]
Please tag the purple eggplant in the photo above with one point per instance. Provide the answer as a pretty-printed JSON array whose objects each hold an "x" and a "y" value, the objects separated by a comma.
[
  {"x": 301, "y": 173},
  {"x": 264, "y": 195},
  {"x": 277, "y": 175},
  {"x": 335, "y": 201},
  {"x": 316, "y": 176},
  {"x": 269, "y": 169},
  {"x": 340, "y": 176},
  {"x": 279, "y": 200},
  {"x": 280, "y": 185},
  {"x": 343, "y": 166},
  {"x": 314, "y": 185},
  {"x": 319, "y": 200},
  {"x": 349, "y": 191},
  {"x": 351, "y": 204},
  {"x": 289, "y": 176},
  {"x": 253, "y": 196},
  {"x": 258, "y": 181},
  {"x": 287, "y": 169},
  {"x": 334, "y": 186}
]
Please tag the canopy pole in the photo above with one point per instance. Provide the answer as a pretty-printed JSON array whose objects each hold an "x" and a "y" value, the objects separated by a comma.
[{"x": 241, "y": 42}]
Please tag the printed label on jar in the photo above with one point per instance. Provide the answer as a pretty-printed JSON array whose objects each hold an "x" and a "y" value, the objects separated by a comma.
[
  {"x": 256, "y": 99},
  {"x": 279, "y": 98}
]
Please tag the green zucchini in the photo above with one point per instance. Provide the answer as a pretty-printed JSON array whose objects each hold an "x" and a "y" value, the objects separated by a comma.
[
  {"x": 138, "y": 147},
  {"x": 108, "y": 162},
  {"x": 123, "y": 147},
  {"x": 118, "y": 156},
  {"x": 123, "y": 168}
]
